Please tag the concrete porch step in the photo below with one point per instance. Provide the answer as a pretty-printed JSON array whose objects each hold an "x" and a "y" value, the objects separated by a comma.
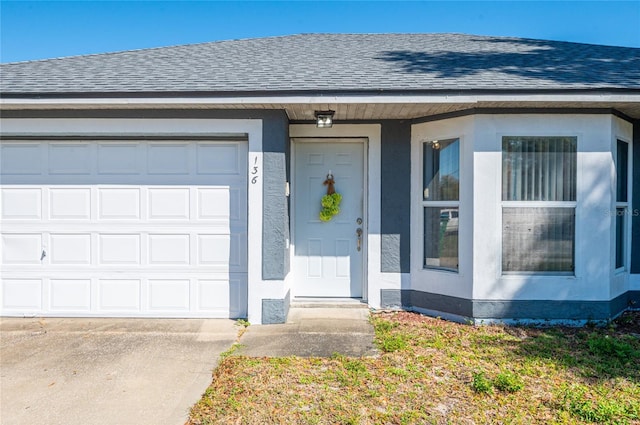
[
  {"x": 342, "y": 318},
  {"x": 313, "y": 302},
  {"x": 318, "y": 331}
]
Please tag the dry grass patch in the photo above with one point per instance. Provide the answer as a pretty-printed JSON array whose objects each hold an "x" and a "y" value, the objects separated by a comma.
[{"x": 433, "y": 371}]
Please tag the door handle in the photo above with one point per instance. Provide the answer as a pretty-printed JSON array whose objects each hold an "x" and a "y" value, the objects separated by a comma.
[{"x": 359, "y": 234}]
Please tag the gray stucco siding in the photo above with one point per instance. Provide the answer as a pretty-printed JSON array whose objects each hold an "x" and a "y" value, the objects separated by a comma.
[
  {"x": 542, "y": 310},
  {"x": 634, "y": 300},
  {"x": 275, "y": 311},
  {"x": 275, "y": 225},
  {"x": 395, "y": 196},
  {"x": 510, "y": 309}
]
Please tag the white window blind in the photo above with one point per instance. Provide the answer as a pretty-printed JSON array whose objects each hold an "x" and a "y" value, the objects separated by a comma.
[
  {"x": 539, "y": 169},
  {"x": 536, "y": 171}
]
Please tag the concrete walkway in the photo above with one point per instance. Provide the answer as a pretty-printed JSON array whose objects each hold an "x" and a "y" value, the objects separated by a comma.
[
  {"x": 312, "y": 332},
  {"x": 107, "y": 371}
]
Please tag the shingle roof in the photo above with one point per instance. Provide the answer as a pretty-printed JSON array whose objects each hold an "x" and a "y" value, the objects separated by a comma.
[{"x": 334, "y": 63}]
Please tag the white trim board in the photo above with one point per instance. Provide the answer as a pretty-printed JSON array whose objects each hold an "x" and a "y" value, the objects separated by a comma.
[
  {"x": 375, "y": 279},
  {"x": 163, "y": 102}
]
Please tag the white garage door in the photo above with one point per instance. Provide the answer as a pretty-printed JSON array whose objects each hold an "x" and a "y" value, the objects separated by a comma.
[{"x": 124, "y": 228}]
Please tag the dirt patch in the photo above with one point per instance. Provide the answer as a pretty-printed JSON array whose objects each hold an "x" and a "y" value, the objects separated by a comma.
[{"x": 628, "y": 323}]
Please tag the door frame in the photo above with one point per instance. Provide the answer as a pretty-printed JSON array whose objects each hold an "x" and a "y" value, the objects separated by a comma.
[{"x": 365, "y": 202}]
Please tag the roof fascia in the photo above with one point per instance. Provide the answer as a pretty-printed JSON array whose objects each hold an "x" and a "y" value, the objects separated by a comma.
[
  {"x": 513, "y": 111},
  {"x": 307, "y": 93},
  {"x": 630, "y": 96}
]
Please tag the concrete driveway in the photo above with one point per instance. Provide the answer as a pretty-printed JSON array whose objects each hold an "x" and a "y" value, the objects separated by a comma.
[{"x": 107, "y": 371}]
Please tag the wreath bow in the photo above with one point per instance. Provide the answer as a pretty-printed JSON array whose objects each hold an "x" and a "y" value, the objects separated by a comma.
[
  {"x": 331, "y": 201},
  {"x": 331, "y": 184}
]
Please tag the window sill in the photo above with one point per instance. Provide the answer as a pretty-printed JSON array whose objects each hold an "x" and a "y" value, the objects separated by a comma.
[
  {"x": 542, "y": 275},
  {"x": 441, "y": 269}
]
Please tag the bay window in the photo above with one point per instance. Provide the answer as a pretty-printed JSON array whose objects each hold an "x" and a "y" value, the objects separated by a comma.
[{"x": 538, "y": 204}]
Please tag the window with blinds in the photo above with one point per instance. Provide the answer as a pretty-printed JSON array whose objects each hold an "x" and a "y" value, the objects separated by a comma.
[{"x": 538, "y": 204}]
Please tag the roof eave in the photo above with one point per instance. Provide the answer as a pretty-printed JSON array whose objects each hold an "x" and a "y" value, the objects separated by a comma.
[
  {"x": 304, "y": 93},
  {"x": 354, "y": 106}
]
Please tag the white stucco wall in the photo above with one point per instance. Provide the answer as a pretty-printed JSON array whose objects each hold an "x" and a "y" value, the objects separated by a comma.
[
  {"x": 594, "y": 197},
  {"x": 450, "y": 283}
]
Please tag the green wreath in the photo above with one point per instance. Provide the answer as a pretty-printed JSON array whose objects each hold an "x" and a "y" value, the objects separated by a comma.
[{"x": 330, "y": 206}]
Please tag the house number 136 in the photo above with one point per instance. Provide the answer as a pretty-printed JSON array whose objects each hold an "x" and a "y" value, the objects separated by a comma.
[{"x": 254, "y": 171}]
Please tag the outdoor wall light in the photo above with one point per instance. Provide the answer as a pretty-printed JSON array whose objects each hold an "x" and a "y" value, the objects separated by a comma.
[
  {"x": 324, "y": 119},
  {"x": 435, "y": 144}
]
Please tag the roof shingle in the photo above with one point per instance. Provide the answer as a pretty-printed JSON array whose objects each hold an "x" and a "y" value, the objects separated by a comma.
[{"x": 334, "y": 62}]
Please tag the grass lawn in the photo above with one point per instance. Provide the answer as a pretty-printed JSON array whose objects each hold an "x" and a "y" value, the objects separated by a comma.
[{"x": 437, "y": 372}]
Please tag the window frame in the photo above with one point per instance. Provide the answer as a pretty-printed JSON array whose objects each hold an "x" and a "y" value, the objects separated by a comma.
[
  {"x": 622, "y": 206},
  {"x": 424, "y": 204},
  {"x": 538, "y": 204}
]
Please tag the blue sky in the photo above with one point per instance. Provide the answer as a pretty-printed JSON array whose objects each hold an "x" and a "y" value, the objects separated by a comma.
[{"x": 46, "y": 29}]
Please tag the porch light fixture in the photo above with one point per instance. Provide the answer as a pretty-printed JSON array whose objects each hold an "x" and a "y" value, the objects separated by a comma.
[{"x": 324, "y": 119}]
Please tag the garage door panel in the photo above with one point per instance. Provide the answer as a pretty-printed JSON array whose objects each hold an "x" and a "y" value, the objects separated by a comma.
[
  {"x": 21, "y": 159},
  {"x": 70, "y": 249},
  {"x": 216, "y": 203},
  {"x": 22, "y": 294},
  {"x": 237, "y": 203},
  {"x": 119, "y": 158},
  {"x": 21, "y": 204},
  {"x": 119, "y": 203},
  {"x": 70, "y": 158},
  {"x": 169, "y": 249},
  {"x": 119, "y": 295},
  {"x": 218, "y": 158},
  {"x": 169, "y": 294},
  {"x": 238, "y": 248},
  {"x": 225, "y": 251},
  {"x": 21, "y": 248},
  {"x": 214, "y": 249},
  {"x": 70, "y": 203},
  {"x": 153, "y": 229},
  {"x": 119, "y": 249},
  {"x": 169, "y": 203},
  {"x": 166, "y": 158},
  {"x": 213, "y": 295},
  {"x": 70, "y": 295}
]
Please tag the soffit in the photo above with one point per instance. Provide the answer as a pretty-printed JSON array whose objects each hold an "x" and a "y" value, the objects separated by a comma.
[{"x": 348, "y": 111}]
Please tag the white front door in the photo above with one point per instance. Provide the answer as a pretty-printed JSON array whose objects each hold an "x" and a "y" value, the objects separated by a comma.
[{"x": 328, "y": 256}]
